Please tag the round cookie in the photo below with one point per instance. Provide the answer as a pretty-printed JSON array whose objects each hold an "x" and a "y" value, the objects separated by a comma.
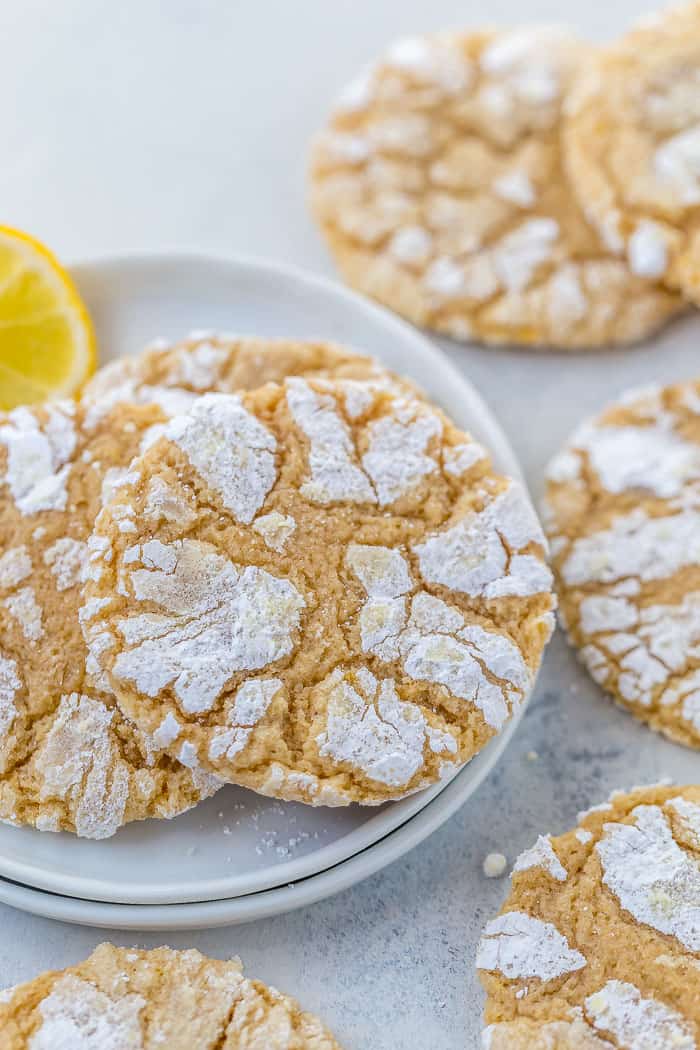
[
  {"x": 126, "y": 999},
  {"x": 598, "y": 944},
  {"x": 622, "y": 511},
  {"x": 439, "y": 187},
  {"x": 327, "y": 594},
  {"x": 632, "y": 142},
  {"x": 173, "y": 375},
  {"x": 69, "y": 760}
]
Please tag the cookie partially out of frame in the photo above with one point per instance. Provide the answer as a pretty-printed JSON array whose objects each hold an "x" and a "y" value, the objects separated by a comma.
[
  {"x": 69, "y": 760},
  {"x": 438, "y": 184},
  {"x": 632, "y": 143},
  {"x": 126, "y": 999},
  {"x": 622, "y": 510},
  {"x": 598, "y": 944}
]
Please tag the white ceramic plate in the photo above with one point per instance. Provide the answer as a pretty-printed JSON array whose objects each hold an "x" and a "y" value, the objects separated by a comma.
[
  {"x": 239, "y": 843},
  {"x": 208, "y": 914}
]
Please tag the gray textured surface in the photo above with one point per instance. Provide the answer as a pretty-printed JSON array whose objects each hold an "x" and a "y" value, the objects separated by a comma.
[{"x": 150, "y": 125}]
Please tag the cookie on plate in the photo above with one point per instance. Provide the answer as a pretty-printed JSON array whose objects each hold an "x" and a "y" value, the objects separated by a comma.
[
  {"x": 325, "y": 592},
  {"x": 598, "y": 944},
  {"x": 439, "y": 187},
  {"x": 126, "y": 999},
  {"x": 632, "y": 143},
  {"x": 69, "y": 760},
  {"x": 622, "y": 510},
  {"x": 173, "y": 375}
]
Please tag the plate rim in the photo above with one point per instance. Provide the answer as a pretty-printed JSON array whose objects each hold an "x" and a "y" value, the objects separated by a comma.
[
  {"x": 299, "y": 870},
  {"x": 264, "y": 904}
]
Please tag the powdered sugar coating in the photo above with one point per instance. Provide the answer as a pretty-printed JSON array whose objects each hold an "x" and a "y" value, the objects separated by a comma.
[
  {"x": 623, "y": 515},
  {"x": 230, "y": 449},
  {"x": 250, "y": 704},
  {"x": 197, "y": 613},
  {"x": 688, "y": 815},
  {"x": 77, "y": 760},
  {"x": 652, "y": 877},
  {"x": 38, "y": 454},
  {"x": 23, "y": 607},
  {"x": 520, "y": 946},
  {"x": 67, "y": 559},
  {"x": 443, "y": 196},
  {"x": 396, "y": 458},
  {"x": 433, "y": 640},
  {"x": 541, "y": 855},
  {"x": 620, "y": 1010},
  {"x": 333, "y": 474},
  {"x": 369, "y": 726},
  {"x": 654, "y": 457},
  {"x": 481, "y": 554},
  {"x": 15, "y": 566},
  {"x": 77, "y": 1015},
  {"x": 9, "y": 685},
  {"x": 217, "y": 618}
]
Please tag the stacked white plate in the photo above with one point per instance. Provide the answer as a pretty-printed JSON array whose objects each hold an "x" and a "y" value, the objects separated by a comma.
[{"x": 239, "y": 856}]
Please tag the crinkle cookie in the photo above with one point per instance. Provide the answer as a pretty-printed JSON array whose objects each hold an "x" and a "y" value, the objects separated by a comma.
[
  {"x": 125, "y": 999},
  {"x": 68, "y": 758},
  {"x": 174, "y": 375},
  {"x": 598, "y": 945},
  {"x": 438, "y": 184},
  {"x": 632, "y": 147},
  {"x": 324, "y": 592},
  {"x": 622, "y": 510}
]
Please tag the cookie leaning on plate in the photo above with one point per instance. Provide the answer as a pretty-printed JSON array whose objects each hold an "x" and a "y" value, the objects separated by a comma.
[
  {"x": 325, "y": 592},
  {"x": 632, "y": 142},
  {"x": 439, "y": 187},
  {"x": 69, "y": 760},
  {"x": 126, "y": 999},
  {"x": 598, "y": 944},
  {"x": 173, "y": 375},
  {"x": 622, "y": 511}
]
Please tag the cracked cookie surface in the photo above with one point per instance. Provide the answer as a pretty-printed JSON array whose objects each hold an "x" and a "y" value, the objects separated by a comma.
[
  {"x": 69, "y": 760},
  {"x": 438, "y": 184},
  {"x": 622, "y": 511},
  {"x": 598, "y": 944},
  {"x": 174, "y": 375},
  {"x": 325, "y": 592},
  {"x": 632, "y": 143},
  {"x": 127, "y": 999}
]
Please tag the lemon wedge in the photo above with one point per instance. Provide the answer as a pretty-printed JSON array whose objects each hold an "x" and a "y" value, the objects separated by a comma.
[{"x": 47, "y": 343}]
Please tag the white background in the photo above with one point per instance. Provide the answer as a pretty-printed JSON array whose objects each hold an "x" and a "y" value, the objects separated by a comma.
[{"x": 158, "y": 124}]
